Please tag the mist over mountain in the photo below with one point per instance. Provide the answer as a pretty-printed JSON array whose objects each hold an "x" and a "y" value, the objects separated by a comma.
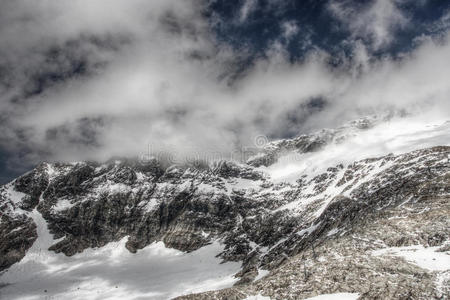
[{"x": 207, "y": 149}]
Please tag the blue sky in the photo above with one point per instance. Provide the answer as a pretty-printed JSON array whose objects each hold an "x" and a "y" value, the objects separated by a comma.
[{"x": 317, "y": 25}]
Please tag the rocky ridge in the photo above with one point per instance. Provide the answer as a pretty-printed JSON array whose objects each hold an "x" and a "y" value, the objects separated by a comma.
[{"x": 301, "y": 232}]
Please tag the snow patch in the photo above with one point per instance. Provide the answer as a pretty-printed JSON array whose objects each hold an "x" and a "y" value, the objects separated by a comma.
[
  {"x": 15, "y": 196},
  {"x": 336, "y": 296},
  {"x": 257, "y": 297},
  {"x": 140, "y": 176},
  {"x": 206, "y": 188},
  {"x": 150, "y": 205},
  {"x": 308, "y": 230},
  {"x": 51, "y": 172},
  {"x": 62, "y": 204},
  {"x": 113, "y": 188},
  {"x": 426, "y": 258},
  {"x": 242, "y": 184},
  {"x": 261, "y": 274},
  {"x": 332, "y": 232}
]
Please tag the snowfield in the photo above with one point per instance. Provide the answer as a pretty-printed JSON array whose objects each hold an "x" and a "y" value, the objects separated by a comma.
[{"x": 112, "y": 272}]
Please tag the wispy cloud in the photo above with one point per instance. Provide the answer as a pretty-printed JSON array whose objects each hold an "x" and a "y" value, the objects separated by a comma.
[
  {"x": 375, "y": 20},
  {"x": 246, "y": 9}
]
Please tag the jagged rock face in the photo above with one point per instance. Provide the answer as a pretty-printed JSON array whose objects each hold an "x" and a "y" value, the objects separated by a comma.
[
  {"x": 17, "y": 231},
  {"x": 90, "y": 205},
  {"x": 32, "y": 184},
  {"x": 18, "y": 234}
]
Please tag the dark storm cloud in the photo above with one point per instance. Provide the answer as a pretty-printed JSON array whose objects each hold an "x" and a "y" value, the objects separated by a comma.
[
  {"x": 83, "y": 132},
  {"x": 71, "y": 60},
  {"x": 81, "y": 80}
]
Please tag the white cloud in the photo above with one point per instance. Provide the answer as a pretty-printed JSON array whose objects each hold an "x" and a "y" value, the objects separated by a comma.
[
  {"x": 376, "y": 20},
  {"x": 247, "y": 9},
  {"x": 159, "y": 84},
  {"x": 289, "y": 28}
]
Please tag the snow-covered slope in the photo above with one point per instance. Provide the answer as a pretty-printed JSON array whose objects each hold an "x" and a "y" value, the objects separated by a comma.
[
  {"x": 133, "y": 229},
  {"x": 112, "y": 271}
]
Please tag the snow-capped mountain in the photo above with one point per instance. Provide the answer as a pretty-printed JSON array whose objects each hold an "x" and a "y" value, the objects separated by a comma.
[{"x": 362, "y": 209}]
